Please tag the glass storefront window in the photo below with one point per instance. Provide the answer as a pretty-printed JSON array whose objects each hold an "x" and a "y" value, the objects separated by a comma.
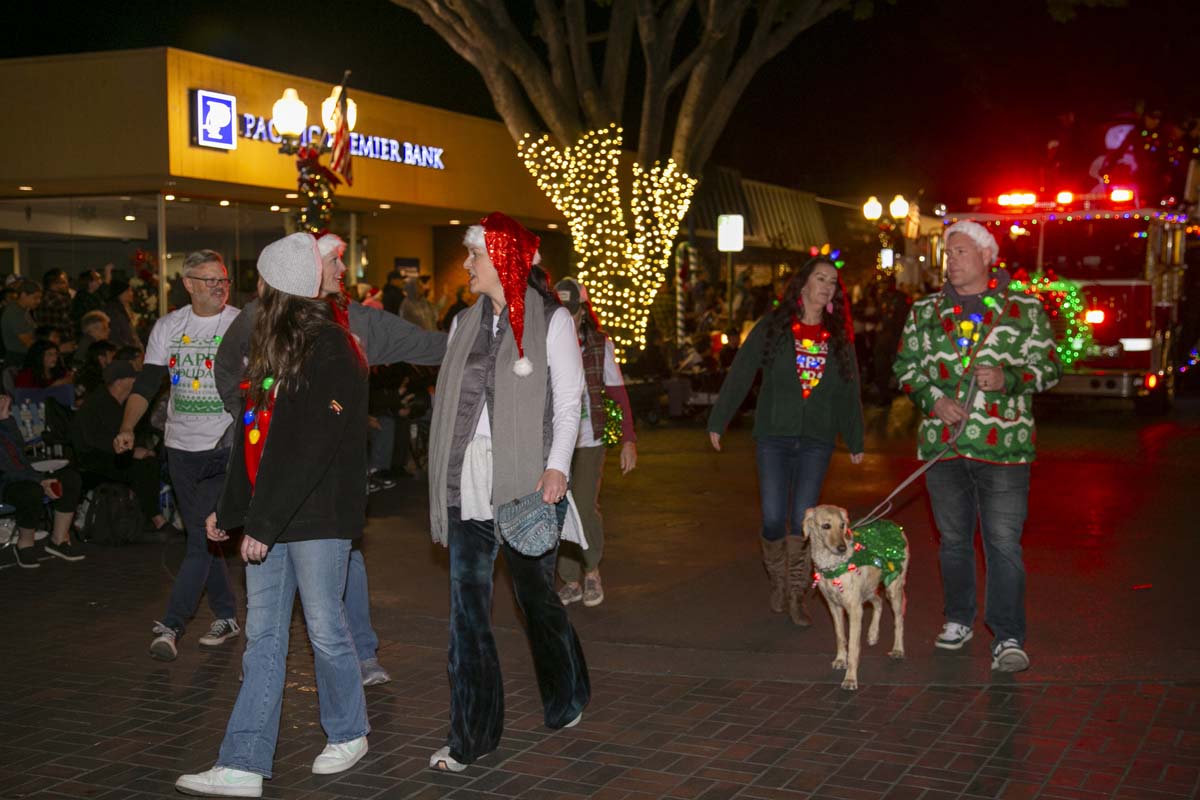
[{"x": 118, "y": 235}]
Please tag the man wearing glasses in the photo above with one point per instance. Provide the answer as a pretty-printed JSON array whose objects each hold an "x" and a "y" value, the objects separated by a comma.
[{"x": 182, "y": 350}]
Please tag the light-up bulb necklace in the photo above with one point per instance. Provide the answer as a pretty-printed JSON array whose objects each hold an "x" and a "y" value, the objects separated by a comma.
[{"x": 173, "y": 362}]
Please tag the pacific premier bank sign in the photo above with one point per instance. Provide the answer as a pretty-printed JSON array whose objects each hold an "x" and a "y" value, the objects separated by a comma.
[{"x": 215, "y": 122}]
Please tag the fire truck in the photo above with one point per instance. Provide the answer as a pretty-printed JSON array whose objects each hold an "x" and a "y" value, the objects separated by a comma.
[{"x": 1110, "y": 272}]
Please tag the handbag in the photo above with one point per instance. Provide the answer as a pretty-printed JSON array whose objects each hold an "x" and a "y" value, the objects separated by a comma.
[{"x": 528, "y": 524}]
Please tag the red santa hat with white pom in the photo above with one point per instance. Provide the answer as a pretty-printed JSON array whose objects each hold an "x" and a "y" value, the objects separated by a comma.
[{"x": 513, "y": 251}]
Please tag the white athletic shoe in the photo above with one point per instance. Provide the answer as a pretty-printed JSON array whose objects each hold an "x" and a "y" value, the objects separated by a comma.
[
  {"x": 340, "y": 757},
  {"x": 221, "y": 782}
]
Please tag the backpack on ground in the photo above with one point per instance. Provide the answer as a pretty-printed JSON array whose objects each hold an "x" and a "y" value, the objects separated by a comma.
[{"x": 113, "y": 516}]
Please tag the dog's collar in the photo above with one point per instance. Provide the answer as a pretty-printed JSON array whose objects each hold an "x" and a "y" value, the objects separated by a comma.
[{"x": 878, "y": 544}]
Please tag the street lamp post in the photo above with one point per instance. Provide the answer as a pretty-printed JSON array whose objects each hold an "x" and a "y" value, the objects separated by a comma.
[
  {"x": 898, "y": 210},
  {"x": 730, "y": 240},
  {"x": 316, "y": 181}
]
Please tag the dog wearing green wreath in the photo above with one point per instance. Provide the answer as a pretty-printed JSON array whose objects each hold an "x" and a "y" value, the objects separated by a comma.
[{"x": 850, "y": 567}]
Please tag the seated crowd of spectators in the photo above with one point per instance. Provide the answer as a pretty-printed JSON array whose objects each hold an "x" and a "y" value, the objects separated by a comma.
[{"x": 71, "y": 356}]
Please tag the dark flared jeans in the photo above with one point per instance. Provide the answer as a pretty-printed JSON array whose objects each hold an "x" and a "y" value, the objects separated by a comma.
[
  {"x": 476, "y": 685},
  {"x": 964, "y": 494}
]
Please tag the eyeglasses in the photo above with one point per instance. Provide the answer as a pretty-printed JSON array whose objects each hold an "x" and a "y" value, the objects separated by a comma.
[{"x": 211, "y": 283}]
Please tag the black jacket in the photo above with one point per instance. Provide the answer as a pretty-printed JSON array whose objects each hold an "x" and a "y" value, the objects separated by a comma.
[{"x": 314, "y": 463}]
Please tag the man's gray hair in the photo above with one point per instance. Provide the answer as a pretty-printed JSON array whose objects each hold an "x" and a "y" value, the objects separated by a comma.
[
  {"x": 202, "y": 257},
  {"x": 979, "y": 235}
]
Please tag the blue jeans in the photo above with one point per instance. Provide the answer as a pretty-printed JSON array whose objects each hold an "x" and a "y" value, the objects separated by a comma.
[
  {"x": 358, "y": 608},
  {"x": 198, "y": 478},
  {"x": 476, "y": 685},
  {"x": 964, "y": 493},
  {"x": 381, "y": 443},
  {"x": 791, "y": 470},
  {"x": 318, "y": 570}
]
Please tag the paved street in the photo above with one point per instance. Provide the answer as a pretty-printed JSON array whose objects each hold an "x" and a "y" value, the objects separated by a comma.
[{"x": 699, "y": 692}]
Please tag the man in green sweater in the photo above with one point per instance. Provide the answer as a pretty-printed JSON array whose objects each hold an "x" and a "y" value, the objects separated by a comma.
[{"x": 971, "y": 358}]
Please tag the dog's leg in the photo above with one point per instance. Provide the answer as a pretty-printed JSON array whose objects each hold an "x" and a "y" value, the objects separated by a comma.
[
  {"x": 839, "y": 630},
  {"x": 856, "y": 612},
  {"x": 895, "y": 594},
  {"x": 876, "y": 614}
]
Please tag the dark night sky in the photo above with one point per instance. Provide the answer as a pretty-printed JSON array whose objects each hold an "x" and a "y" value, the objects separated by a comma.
[{"x": 952, "y": 97}]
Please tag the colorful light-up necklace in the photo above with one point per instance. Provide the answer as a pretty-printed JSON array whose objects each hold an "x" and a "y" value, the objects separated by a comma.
[
  {"x": 810, "y": 365},
  {"x": 253, "y": 417},
  {"x": 186, "y": 339}
]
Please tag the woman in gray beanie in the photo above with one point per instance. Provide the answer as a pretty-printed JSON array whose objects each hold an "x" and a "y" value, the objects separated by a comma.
[{"x": 295, "y": 488}]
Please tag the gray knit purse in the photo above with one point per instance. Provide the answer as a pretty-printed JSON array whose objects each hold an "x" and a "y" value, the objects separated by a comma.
[{"x": 528, "y": 524}]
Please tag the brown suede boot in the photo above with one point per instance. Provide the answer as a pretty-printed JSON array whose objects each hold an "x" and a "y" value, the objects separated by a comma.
[
  {"x": 799, "y": 579},
  {"x": 774, "y": 555}
]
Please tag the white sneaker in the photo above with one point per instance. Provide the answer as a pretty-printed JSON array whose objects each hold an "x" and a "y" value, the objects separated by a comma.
[
  {"x": 1009, "y": 656},
  {"x": 953, "y": 636},
  {"x": 221, "y": 782},
  {"x": 340, "y": 757}
]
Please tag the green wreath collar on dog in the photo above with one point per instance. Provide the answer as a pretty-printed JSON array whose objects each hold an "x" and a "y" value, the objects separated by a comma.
[{"x": 877, "y": 544}]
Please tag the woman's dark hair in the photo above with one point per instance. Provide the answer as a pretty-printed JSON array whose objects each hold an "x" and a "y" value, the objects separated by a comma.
[
  {"x": 35, "y": 362},
  {"x": 285, "y": 331},
  {"x": 540, "y": 279},
  {"x": 791, "y": 305}
]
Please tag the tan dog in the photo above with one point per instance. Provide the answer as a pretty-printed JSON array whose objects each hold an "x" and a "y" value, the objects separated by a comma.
[{"x": 848, "y": 586}]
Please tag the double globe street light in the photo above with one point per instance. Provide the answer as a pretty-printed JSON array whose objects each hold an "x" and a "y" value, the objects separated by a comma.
[
  {"x": 873, "y": 212},
  {"x": 316, "y": 181}
]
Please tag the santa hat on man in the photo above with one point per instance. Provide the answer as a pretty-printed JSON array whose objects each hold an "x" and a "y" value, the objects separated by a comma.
[{"x": 513, "y": 251}]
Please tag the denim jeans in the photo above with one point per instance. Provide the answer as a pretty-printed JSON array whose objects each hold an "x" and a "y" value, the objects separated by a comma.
[
  {"x": 791, "y": 470},
  {"x": 476, "y": 685},
  {"x": 381, "y": 443},
  {"x": 198, "y": 478},
  {"x": 964, "y": 493},
  {"x": 358, "y": 608},
  {"x": 318, "y": 569}
]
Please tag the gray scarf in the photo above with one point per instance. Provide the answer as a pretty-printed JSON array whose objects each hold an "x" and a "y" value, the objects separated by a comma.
[{"x": 517, "y": 413}]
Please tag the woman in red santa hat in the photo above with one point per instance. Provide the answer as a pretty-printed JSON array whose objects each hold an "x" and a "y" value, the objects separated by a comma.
[{"x": 505, "y": 420}]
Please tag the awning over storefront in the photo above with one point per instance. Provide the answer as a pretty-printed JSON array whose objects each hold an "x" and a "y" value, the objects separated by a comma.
[{"x": 775, "y": 216}]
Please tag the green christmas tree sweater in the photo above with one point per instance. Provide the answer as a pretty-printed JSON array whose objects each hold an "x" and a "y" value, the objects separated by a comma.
[{"x": 940, "y": 345}]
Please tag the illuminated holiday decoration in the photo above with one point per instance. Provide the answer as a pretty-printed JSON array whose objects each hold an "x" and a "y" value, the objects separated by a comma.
[
  {"x": 1064, "y": 304},
  {"x": 624, "y": 246},
  {"x": 614, "y": 416}
]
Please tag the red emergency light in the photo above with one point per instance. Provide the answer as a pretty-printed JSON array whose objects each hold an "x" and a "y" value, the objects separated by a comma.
[
  {"x": 1094, "y": 316},
  {"x": 1151, "y": 380},
  {"x": 1064, "y": 198},
  {"x": 1121, "y": 195}
]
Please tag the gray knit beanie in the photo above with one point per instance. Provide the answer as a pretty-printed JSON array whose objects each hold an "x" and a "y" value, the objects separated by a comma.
[{"x": 292, "y": 265}]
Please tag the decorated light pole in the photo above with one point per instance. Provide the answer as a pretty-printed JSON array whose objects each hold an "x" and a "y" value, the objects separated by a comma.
[{"x": 316, "y": 181}]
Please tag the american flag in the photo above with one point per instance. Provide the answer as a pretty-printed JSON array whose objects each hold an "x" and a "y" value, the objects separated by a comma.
[{"x": 339, "y": 159}]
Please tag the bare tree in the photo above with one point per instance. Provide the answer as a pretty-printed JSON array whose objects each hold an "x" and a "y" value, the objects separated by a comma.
[{"x": 561, "y": 87}]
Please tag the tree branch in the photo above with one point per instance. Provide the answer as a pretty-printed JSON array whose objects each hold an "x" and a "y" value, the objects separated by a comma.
[
  {"x": 766, "y": 43},
  {"x": 561, "y": 67},
  {"x": 616, "y": 56},
  {"x": 595, "y": 110}
]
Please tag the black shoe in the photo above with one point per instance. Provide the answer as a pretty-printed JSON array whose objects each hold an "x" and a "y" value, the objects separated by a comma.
[
  {"x": 26, "y": 558},
  {"x": 64, "y": 550}
]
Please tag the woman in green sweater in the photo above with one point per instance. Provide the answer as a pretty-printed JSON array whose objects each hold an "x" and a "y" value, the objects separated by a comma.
[{"x": 810, "y": 394}]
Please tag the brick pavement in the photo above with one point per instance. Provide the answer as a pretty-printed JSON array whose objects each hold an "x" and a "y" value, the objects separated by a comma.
[
  {"x": 698, "y": 691},
  {"x": 85, "y": 714}
]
